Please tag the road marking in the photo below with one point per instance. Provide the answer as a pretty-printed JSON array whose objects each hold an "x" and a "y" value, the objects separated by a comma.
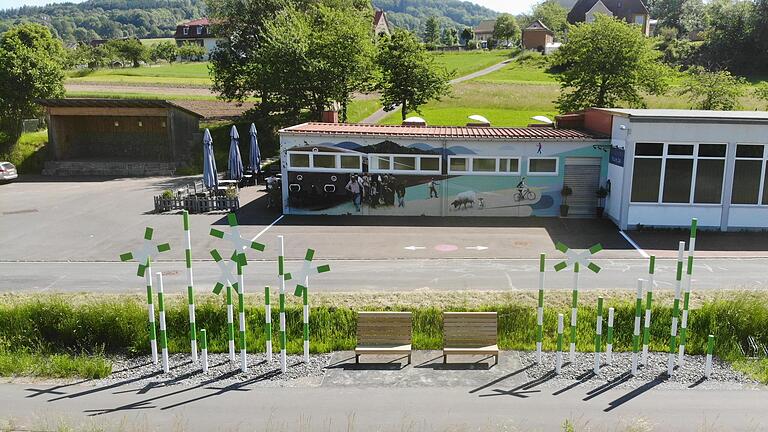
[
  {"x": 634, "y": 245},
  {"x": 479, "y": 248},
  {"x": 265, "y": 229},
  {"x": 413, "y": 248}
]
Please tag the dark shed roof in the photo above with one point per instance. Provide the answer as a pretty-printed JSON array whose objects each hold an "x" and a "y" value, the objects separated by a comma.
[
  {"x": 114, "y": 103},
  {"x": 620, "y": 8}
]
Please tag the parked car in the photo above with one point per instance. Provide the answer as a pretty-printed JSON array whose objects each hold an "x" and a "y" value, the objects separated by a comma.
[{"x": 7, "y": 171}]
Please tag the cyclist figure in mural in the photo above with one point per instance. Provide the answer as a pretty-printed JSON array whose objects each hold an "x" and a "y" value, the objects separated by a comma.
[
  {"x": 432, "y": 188},
  {"x": 524, "y": 192}
]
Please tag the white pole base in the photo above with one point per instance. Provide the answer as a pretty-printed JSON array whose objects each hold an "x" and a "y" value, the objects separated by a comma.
[
  {"x": 558, "y": 362},
  {"x": 681, "y": 356},
  {"x": 153, "y": 346},
  {"x": 232, "y": 351},
  {"x": 538, "y": 352},
  {"x": 283, "y": 365},
  {"x": 708, "y": 366},
  {"x": 634, "y": 363},
  {"x": 597, "y": 363},
  {"x": 645, "y": 356},
  {"x": 609, "y": 354},
  {"x": 193, "y": 349},
  {"x": 243, "y": 361},
  {"x": 671, "y": 365},
  {"x": 269, "y": 350},
  {"x": 204, "y": 355},
  {"x": 573, "y": 353},
  {"x": 165, "y": 360},
  {"x": 306, "y": 351}
]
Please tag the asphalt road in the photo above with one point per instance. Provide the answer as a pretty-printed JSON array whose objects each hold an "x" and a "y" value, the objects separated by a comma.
[
  {"x": 245, "y": 407},
  {"x": 383, "y": 275}
]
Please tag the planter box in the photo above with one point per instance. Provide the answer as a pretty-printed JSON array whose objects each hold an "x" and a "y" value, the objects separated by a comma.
[{"x": 194, "y": 204}]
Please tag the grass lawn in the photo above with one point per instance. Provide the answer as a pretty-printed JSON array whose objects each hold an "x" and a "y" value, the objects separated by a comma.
[
  {"x": 137, "y": 95},
  {"x": 466, "y": 62},
  {"x": 512, "y": 95},
  {"x": 28, "y": 154},
  {"x": 177, "y": 73},
  {"x": 361, "y": 108},
  {"x": 154, "y": 41}
]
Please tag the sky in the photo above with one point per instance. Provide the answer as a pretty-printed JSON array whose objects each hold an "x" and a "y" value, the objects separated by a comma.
[{"x": 511, "y": 6}]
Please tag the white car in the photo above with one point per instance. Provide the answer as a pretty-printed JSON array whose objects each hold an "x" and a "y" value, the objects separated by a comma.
[{"x": 8, "y": 171}]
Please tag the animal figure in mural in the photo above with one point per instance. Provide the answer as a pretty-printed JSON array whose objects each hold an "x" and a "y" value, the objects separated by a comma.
[{"x": 464, "y": 200}]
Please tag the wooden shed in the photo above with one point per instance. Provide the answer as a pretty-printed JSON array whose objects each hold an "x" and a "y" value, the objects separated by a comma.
[{"x": 121, "y": 137}]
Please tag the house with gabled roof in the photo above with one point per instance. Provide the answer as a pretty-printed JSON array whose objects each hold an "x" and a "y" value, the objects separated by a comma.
[
  {"x": 538, "y": 36},
  {"x": 631, "y": 11},
  {"x": 381, "y": 23},
  {"x": 197, "y": 32}
]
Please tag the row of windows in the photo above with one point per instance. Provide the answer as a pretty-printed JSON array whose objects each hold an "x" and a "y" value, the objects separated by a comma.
[
  {"x": 694, "y": 174},
  {"x": 426, "y": 164}
]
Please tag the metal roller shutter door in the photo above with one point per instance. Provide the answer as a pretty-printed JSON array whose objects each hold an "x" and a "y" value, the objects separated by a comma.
[{"x": 583, "y": 176}]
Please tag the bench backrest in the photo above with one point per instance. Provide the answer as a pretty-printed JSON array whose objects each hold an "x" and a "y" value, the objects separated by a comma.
[
  {"x": 469, "y": 329},
  {"x": 383, "y": 328}
]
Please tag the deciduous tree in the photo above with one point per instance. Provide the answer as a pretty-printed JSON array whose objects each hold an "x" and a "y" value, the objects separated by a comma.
[
  {"x": 708, "y": 90},
  {"x": 506, "y": 29},
  {"x": 409, "y": 76},
  {"x": 607, "y": 63}
]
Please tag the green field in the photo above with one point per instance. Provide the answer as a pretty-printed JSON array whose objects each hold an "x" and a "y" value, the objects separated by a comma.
[
  {"x": 511, "y": 96},
  {"x": 466, "y": 62},
  {"x": 155, "y": 41},
  {"x": 178, "y": 73}
]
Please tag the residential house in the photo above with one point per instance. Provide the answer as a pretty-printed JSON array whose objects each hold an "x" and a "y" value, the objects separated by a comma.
[
  {"x": 631, "y": 11},
  {"x": 197, "y": 32},
  {"x": 484, "y": 32},
  {"x": 538, "y": 36},
  {"x": 381, "y": 23}
]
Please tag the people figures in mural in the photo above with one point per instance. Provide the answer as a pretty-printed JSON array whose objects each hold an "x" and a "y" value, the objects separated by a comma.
[
  {"x": 401, "y": 194},
  {"x": 274, "y": 192},
  {"x": 432, "y": 188},
  {"x": 524, "y": 192},
  {"x": 355, "y": 185}
]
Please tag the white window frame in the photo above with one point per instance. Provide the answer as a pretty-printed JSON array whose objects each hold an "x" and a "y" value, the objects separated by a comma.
[
  {"x": 337, "y": 157},
  {"x": 416, "y": 171},
  {"x": 662, "y": 175},
  {"x": 199, "y": 30},
  {"x": 542, "y": 174},
  {"x": 185, "y": 30},
  {"x": 764, "y": 166},
  {"x": 470, "y": 170}
]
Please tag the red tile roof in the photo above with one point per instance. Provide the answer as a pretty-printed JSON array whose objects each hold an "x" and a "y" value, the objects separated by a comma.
[
  {"x": 479, "y": 133},
  {"x": 197, "y": 22}
]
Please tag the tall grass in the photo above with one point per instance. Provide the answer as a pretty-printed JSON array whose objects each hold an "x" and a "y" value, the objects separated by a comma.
[
  {"x": 28, "y": 154},
  {"x": 55, "y": 325}
]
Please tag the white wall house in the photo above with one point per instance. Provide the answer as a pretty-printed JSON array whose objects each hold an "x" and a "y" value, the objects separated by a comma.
[{"x": 667, "y": 166}]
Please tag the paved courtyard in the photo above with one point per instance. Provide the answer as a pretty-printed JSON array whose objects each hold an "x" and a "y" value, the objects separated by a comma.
[{"x": 67, "y": 235}]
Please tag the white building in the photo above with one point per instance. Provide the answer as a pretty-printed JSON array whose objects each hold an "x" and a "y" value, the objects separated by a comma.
[{"x": 667, "y": 166}]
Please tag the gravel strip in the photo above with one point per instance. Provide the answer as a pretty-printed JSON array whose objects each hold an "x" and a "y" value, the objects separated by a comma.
[
  {"x": 617, "y": 374},
  {"x": 141, "y": 371}
]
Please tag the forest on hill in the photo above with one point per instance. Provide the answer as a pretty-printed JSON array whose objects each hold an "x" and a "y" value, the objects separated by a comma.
[{"x": 108, "y": 19}]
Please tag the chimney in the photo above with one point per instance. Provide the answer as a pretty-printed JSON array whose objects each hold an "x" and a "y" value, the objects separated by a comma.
[{"x": 331, "y": 115}]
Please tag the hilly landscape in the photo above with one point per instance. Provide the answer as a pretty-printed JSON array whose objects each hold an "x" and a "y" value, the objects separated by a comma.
[{"x": 106, "y": 19}]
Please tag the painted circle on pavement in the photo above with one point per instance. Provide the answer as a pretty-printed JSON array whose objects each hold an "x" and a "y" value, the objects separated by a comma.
[{"x": 446, "y": 248}]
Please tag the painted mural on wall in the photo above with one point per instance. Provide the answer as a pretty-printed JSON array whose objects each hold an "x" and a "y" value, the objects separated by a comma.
[{"x": 370, "y": 191}]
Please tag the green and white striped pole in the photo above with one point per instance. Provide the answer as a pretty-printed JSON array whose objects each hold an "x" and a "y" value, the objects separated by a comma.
[
  {"x": 241, "y": 317},
  {"x": 708, "y": 363},
  {"x": 675, "y": 311},
  {"x": 648, "y": 307},
  {"x": 598, "y": 334},
  {"x": 230, "y": 325},
  {"x": 540, "y": 309},
  {"x": 144, "y": 256},
  {"x": 281, "y": 274},
  {"x": 559, "y": 352},
  {"x": 204, "y": 349},
  {"x": 268, "y": 323},
  {"x": 636, "y": 333},
  {"x": 161, "y": 310},
  {"x": 302, "y": 290},
  {"x": 226, "y": 279},
  {"x": 687, "y": 293},
  {"x": 190, "y": 289},
  {"x": 576, "y": 259},
  {"x": 609, "y": 340}
]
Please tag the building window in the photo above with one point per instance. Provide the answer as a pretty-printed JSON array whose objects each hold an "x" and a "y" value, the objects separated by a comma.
[
  {"x": 186, "y": 31},
  {"x": 749, "y": 175},
  {"x": 542, "y": 166},
  {"x": 325, "y": 162},
  {"x": 320, "y": 160},
  {"x": 298, "y": 160},
  {"x": 405, "y": 164},
  {"x": 350, "y": 162},
  {"x": 678, "y": 173},
  {"x": 199, "y": 30},
  {"x": 483, "y": 165}
]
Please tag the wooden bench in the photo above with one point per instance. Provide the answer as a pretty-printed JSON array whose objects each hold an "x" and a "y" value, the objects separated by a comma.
[
  {"x": 470, "y": 333},
  {"x": 383, "y": 333}
]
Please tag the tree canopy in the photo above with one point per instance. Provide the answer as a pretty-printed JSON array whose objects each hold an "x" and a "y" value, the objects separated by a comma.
[
  {"x": 409, "y": 76},
  {"x": 506, "y": 29},
  {"x": 32, "y": 69},
  {"x": 607, "y": 63},
  {"x": 708, "y": 90}
]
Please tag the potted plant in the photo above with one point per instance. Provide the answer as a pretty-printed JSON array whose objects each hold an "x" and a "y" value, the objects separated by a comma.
[
  {"x": 601, "y": 194},
  {"x": 565, "y": 193}
]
